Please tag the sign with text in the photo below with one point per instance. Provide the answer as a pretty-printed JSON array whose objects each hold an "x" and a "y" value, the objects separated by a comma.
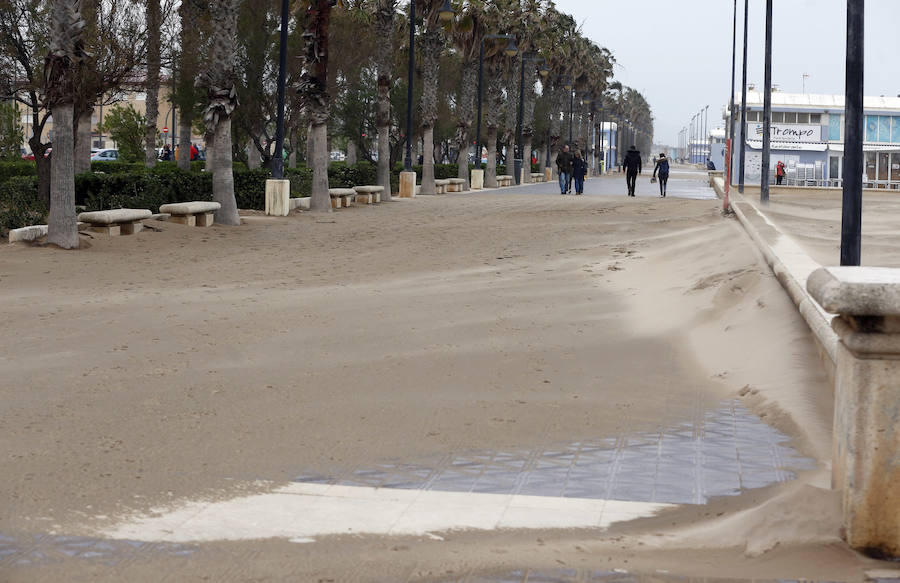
[{"x": 781, "y": 132}]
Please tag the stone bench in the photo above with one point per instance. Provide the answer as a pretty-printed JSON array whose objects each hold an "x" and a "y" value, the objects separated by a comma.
[
  {"x": 504, "y": 180},
  {"x": 368, "y": 194},
  {"x": 537, "y": 176},
  {"x": 196, "y": 213},
  {"x": 455, "y": 184},
  {"x": 440, "y": 185},
  {"x": 116, "y": 221},
  {"x": 341, "y": 197}
]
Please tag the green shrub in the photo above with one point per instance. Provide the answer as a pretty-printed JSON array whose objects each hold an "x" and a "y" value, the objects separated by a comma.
[
  {"x": 20, "y": 205},
  {"x": 301, "y": 180},
  {"x": 17, "y": 168},
  {"x": 250, "y": 188},
  {"x": 140, "y": 189},
  {"x": 116, "y": 167}
]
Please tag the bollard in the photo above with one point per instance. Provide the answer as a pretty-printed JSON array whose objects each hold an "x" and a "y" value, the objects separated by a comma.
[
  {"x": 407, "y": 184},
  {"x": 866, "y": 438},
  {"x": 477, "y": 180},
  {"x": 278, "y": 197}
]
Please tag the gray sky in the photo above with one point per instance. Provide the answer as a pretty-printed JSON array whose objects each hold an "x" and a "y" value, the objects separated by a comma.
[{"x": 678, "y": 52}]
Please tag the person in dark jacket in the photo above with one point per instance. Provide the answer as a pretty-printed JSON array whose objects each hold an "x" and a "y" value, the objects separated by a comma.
[
  {"x": 564, "y": 165},
  {"x": 579, "y": 171},
  {"x": 662, "y": 169},
  {"x": 632, "y": 166}
]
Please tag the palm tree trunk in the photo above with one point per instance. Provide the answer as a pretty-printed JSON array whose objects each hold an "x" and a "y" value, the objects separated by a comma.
[
  {"x": 153, "y": 19},
  {"x": 384, "y": 26},
  {"x": 320, "y": 200},
  {"x": 490, "y": 169},
  {"x": 62, "y": 227},
  {"x": 467, "y": 114},
  {"x": 83, "y": 142},
  {"x": 428, "y": 186},
  {"x": 432, "y": 43},
  {"x": 526, "y": 159},
  {"x": 223, "y": 175},
  {"x": 352, "y": 153},
  {"x": 253, "y": 157},
  {"x": 184, "y": 142}
]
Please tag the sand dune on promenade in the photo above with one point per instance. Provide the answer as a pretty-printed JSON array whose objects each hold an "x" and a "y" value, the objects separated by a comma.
[{"x": 187, "y": 363}]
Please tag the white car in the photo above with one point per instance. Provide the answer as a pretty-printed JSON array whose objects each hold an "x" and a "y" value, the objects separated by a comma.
[{"x": 105, "y": 156}]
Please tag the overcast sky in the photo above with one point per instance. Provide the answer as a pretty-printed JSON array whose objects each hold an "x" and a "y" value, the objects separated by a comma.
[{"x": 678, "y": 52}]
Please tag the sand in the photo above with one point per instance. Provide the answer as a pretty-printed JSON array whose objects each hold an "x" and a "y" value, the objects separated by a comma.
[{"x": 182, "y": 363}]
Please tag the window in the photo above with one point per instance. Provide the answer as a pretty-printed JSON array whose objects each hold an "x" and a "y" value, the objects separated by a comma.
[
  {"x": 872, "y": 129},
  {"x": 815, "y": 118},
  {"x": 834, "y": 127},
  {"x": 790, "y": 117},
  {"x": 802, "y": 118},
  {"x": 834, "y": 165},
  {"x": 895, "y": 130},
  {"x": 777, "y": 117},
  {"x": 884, "y": 128},
  {"x": 752, "y": 116}
]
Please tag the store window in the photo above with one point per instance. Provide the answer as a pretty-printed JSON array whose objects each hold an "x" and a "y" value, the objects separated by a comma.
[
  {"x": 895, "y": 167},
  {"x": 777, "y": 117},
  {"x": 870, "y": 166},
  {"x": 790, "y": 117},
  {"x": 871, "y": 128},
  {"x": 884, "y": 128},
  {"x": 815, "y": 118},
  {"x": 802, "y": 118},
  {"x": 834, "y": 167},
  {"x": 895, "y": 130},
  {"x": 834, "y": 127}
]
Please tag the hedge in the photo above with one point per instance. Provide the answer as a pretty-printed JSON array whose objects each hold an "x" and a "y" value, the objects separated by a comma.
[
  {"x": 17, "y": 168},
  {"x": 20, "y": 205}
]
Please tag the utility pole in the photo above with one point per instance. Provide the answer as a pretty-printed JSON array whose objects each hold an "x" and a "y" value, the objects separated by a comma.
[{"x": 851, "y": 218}]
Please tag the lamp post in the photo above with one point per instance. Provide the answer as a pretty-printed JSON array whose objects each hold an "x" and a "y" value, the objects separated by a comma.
[
  {"x": 729, "y": 154},
  {"x": 520, "y": 155},
  {"x": 767, "y": 111},
  {"x": 602, "y": 161},
  {"x": 278, "y": 160},
  {"x": 407, "y": 160},
  {"x": 851, "y": 214},
  {"x": 743, "y": 150},
  {"x": 570, "y": 88},
  {"x": 511, "y": 51}
]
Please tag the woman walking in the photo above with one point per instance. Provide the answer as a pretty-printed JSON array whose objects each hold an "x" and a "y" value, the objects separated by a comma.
[
  {"x": 579, "y": 171},
  {"x": 662, "y": 167}
]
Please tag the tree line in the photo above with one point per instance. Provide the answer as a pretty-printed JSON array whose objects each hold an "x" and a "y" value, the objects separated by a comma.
[{"x": 346, "y": 79}]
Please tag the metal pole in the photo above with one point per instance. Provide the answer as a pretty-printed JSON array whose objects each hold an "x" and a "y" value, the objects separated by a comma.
[
  {"x": 851, "y": 218},
  {"x": 517, "y": 160},
  {"x": 743, "y": 154},
  {"x": 478, "y": 122},
  {"x": 767, "y": 111},
  {"x": 571, "y": 106},
  {"x": 407, "y": 162},
  {"x": 729, "y": 154},
  {"x": 602, "y": 145},
  {"x": 278, "y": 160}
]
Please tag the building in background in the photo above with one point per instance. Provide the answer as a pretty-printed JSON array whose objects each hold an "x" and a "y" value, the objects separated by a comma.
[
  {"x": 609, "y": 133},
  {"x": 807, "y": 134}
]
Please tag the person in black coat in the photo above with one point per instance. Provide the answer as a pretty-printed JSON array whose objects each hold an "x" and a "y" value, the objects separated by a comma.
[
  {"x": 579, "y": 171},
  {"x": 632, "y": 166}
]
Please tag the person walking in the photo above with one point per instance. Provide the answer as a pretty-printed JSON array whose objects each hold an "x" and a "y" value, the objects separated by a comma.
[
  {"x": 662, "y": 169},
  {"x": 579, "y": 171},
  {"x": 779, "y": 172},
  {"x": 564, "y": 165},
  {"x": 632, "y": 166}
]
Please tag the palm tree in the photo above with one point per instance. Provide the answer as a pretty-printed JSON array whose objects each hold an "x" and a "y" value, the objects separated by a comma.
[
  {"x": 219, "y": 81},
  {"x": 313, "y": 90},
  {"x": 432, "y": 46},
  {"x": 154, "y": 24},
  {"x": 63, "y": 59},
  {"x": 384, "y": 58},
  {"x": 187, "y": 65}
]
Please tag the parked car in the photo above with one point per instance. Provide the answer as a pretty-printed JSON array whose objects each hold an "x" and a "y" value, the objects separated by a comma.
[{"x": 105, "y": 156}]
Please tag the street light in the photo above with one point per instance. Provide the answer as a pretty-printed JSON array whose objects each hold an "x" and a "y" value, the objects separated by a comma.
[
  {"x": 278, "y": 160},
  {"x": 767, "y": 111},
  {"x": 743, "y": 151},
  {"x": 569, "y": 86},
  {"x": 851, "y": 213},
  {"x": 520, "y": 155},
  {"x": 447, "y": 12},
  {"x": 510, "y": 51},
  {"x": 407, "y": 161}
]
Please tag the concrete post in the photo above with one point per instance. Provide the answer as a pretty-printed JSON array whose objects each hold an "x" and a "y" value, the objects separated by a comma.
[
  {"x": 477, "y": 180},
  {"x": 407, "y": 184},
  {"x": 278, "y": 197},
  {"x": 866, "y": 442}
]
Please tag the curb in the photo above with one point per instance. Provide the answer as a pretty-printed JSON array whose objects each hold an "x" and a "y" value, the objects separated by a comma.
[{"x": 791, "y": 266}]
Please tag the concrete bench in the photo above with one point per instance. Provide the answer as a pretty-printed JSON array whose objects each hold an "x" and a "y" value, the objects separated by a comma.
[
  {"x": 504, "y": 180},
  {"x": 456, "y": 184},
  {"x": 537, "y": 176},
  {"x": 32, "y": 233},
  {"x": 116, "y": 221},
  {"x": 341, "y": 197},
  {"x": 368, "y": 194},
  {"x": 196, "y": 213},
  {"x": 440, "y": 185}
]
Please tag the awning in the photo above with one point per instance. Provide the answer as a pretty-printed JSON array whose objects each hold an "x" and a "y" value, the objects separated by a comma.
[{"x": 789, "y": 146}]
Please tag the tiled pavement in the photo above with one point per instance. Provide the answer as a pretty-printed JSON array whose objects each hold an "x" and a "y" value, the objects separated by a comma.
[{"x": 723, "y": 452}]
